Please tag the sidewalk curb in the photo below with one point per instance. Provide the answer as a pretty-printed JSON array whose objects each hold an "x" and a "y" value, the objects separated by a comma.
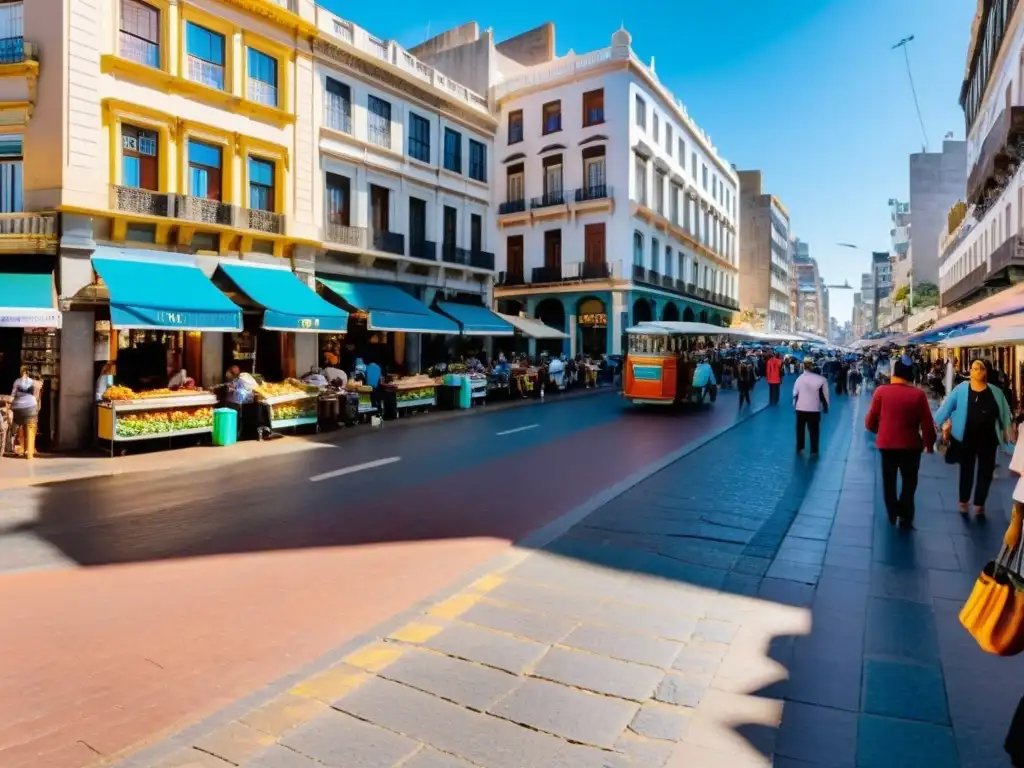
[
  {"x": 162, "y": 746},
  {"x": 110, "y": 467}
]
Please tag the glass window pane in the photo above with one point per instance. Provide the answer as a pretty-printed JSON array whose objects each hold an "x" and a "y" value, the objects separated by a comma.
[
  {"x": 131, "y": 172},
  {"x": 203, "y": 154},
  {"x": 199, "y": 182},
  {"x": 261, "y": 172}
]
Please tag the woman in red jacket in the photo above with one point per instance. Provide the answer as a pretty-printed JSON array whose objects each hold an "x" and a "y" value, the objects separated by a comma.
[{"x": 902, "y": 421}]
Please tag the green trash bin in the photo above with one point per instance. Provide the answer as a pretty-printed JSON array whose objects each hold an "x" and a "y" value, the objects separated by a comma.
[{"x": 225, "y": 426}]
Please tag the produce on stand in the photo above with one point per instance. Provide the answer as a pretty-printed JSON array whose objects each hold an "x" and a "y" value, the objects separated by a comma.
[
  {"x": 290, "y": 403},
  {"x": 125, "y": 415},
  {"x": 365, "y": 395},
  {"x": 478, "y": 385},
  {"x": 415, "y": 391}
]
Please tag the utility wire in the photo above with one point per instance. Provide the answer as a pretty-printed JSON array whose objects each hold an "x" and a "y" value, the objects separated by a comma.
[{"x": 913, "y": 91}]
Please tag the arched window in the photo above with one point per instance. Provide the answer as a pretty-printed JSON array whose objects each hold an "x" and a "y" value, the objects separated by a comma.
[{"x": 655, "y": 255}]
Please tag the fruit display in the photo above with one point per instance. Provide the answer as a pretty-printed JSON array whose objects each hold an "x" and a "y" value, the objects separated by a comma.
[
  {"x": 268, "y": 389},
  {"x": 419, "y": 381},
  {"x": 355, "y": 386},
  {"x": 299, "y": 409},
  {"x": 118, "y": 393},
  {"x": 163, "y": 422},
  {"x": 412, "y": 395}
]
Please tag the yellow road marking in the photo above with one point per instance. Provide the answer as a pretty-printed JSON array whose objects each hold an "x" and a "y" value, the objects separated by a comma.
[
  {"x": 376, "y": 656},
  {"x": 487, "y": 583},
  {"x": 454, "y": 607},
  {"x": 331, "y": 685},
  {"x": 416, "y": 632}
]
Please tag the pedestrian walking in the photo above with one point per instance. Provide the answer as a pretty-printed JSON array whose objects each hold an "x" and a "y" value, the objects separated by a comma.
[
  {"x": 975, "y": 419},
  {"x": 745, "y": 378},
  {"x": 773, "y": 372},
  {"x": 902, "y": 422},
  {"x": 810, "y": 397},
  {"x": 25, "y": 405}
]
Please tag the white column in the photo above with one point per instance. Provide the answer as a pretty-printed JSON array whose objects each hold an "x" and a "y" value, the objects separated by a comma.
[
  {"x": 615, "y": 321},
  {"x": 572, "y": 335},
  {"x": 76, "y": 397}
]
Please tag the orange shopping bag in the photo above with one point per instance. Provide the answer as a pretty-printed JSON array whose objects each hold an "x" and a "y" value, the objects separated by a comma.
[{"x": 994, "y": 613}]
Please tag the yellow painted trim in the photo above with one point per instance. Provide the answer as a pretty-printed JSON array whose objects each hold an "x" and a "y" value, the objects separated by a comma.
[
  {"x": 167, "y": 83},
  {"x": 275, "y": 14},
  {"x": 186, "y": 224},
  {"x": 283, "y": 56},
  {"x": 116, "y": 113},
  {"x": 26, "y": 68},
  {"x": 228, "y": 143}
]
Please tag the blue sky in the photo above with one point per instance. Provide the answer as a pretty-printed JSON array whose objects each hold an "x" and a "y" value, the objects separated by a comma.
[{"x": 808, "y": 91}]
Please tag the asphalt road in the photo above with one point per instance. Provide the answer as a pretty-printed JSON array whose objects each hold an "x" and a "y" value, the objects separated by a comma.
[{"x": 166, "y": 597}]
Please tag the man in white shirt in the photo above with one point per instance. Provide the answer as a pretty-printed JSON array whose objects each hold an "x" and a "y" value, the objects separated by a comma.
[{"x": 810, "y": 394}]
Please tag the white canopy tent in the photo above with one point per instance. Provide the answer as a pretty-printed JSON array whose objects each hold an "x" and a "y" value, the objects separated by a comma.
[{"x": 532, "y": 328}]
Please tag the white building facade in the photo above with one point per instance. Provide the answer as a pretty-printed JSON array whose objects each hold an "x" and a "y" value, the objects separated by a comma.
[
  {"x": 612, "y": 206},
  {"x": 984, "y": 251}
]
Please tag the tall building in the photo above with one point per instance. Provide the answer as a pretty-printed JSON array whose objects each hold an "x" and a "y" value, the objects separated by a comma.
[
  {"x": 881, "y": 287},
  {"x": 764, "y": 258},
  {"x": 984, "y": 251},
  {"x": 937, "y": 181},
  {"x": 597, "y": 160},
  {"x": 811, "y": 300},
  {"x": 181, "y": 143},
  {"x": 900, "y": 243},
  {"x": 858, "y": 326}
]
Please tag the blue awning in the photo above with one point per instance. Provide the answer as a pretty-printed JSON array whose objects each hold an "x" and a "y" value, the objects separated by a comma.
[
  {"x": 148, "y": 293},
  {"x": 27, "y": 300},
  {"x": 288, "y": 305},
  {"x": 476, "y": 320},
  {"x": 389, "y": 308}
]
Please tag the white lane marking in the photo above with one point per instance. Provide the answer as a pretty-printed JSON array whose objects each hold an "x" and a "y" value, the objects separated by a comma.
[
  {"x": 355, "y": 468},
  {"x": 518, "y": 429}
]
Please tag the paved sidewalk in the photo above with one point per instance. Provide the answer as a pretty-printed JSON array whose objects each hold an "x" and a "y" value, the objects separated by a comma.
[{"x": 745, "y": 607}]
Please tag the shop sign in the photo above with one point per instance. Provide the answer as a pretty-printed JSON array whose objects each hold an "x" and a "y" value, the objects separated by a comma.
[
  {"x": 308, "y": 323},
  {"x": 596, "y": 320},
  {"x": 30, "y": 319},
  {"x": 171, "y": 318}
]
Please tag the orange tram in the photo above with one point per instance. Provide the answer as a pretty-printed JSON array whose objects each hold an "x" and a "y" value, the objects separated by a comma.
[{"x": 663, "y": 362}]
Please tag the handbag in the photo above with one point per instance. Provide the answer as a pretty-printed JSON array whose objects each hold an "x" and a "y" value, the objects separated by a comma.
[
  {"x": 954, "y": 450},
  {"x": 994, "y": 612}
]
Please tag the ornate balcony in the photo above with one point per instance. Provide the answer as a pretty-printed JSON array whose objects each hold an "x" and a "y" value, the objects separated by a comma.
[
  {"x": 204, "y": 211},
  {"x": 998, "y": 159},
  {"x": 511, "y": 278},
  {"x": 266, "y": 221},
  {"x": 511, "y": 206},
  {"x": 143, "y": 201},
  {"x": 481, "y": 259},
  {"x": 353, "y": 237}
]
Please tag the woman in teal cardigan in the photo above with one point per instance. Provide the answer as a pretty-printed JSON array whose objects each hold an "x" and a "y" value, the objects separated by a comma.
[{"x": 976, "y": 414}]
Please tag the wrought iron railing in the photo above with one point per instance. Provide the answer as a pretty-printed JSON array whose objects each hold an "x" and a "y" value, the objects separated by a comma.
[
  {"x": 206, "y": 73},
  {"x": 262, "y": 93},
  {"x": 266, "y": 221},
  {"x": 343, "y": 234},
  {"x": 203, "y": 210},
  {"x": 144, "y": 201}
]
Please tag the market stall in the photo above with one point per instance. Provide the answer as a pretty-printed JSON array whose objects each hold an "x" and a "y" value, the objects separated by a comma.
[
  {"x": 289, "y": 404},
  {"x": 126, "y": 416},
  {"x": 412, "y": 393}
]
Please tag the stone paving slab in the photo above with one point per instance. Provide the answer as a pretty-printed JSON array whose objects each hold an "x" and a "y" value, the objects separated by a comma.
[{"x": 780, "y": 622}]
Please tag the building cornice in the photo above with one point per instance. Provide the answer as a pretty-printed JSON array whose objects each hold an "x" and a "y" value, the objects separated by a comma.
[{"x": 342, "y": 54}]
